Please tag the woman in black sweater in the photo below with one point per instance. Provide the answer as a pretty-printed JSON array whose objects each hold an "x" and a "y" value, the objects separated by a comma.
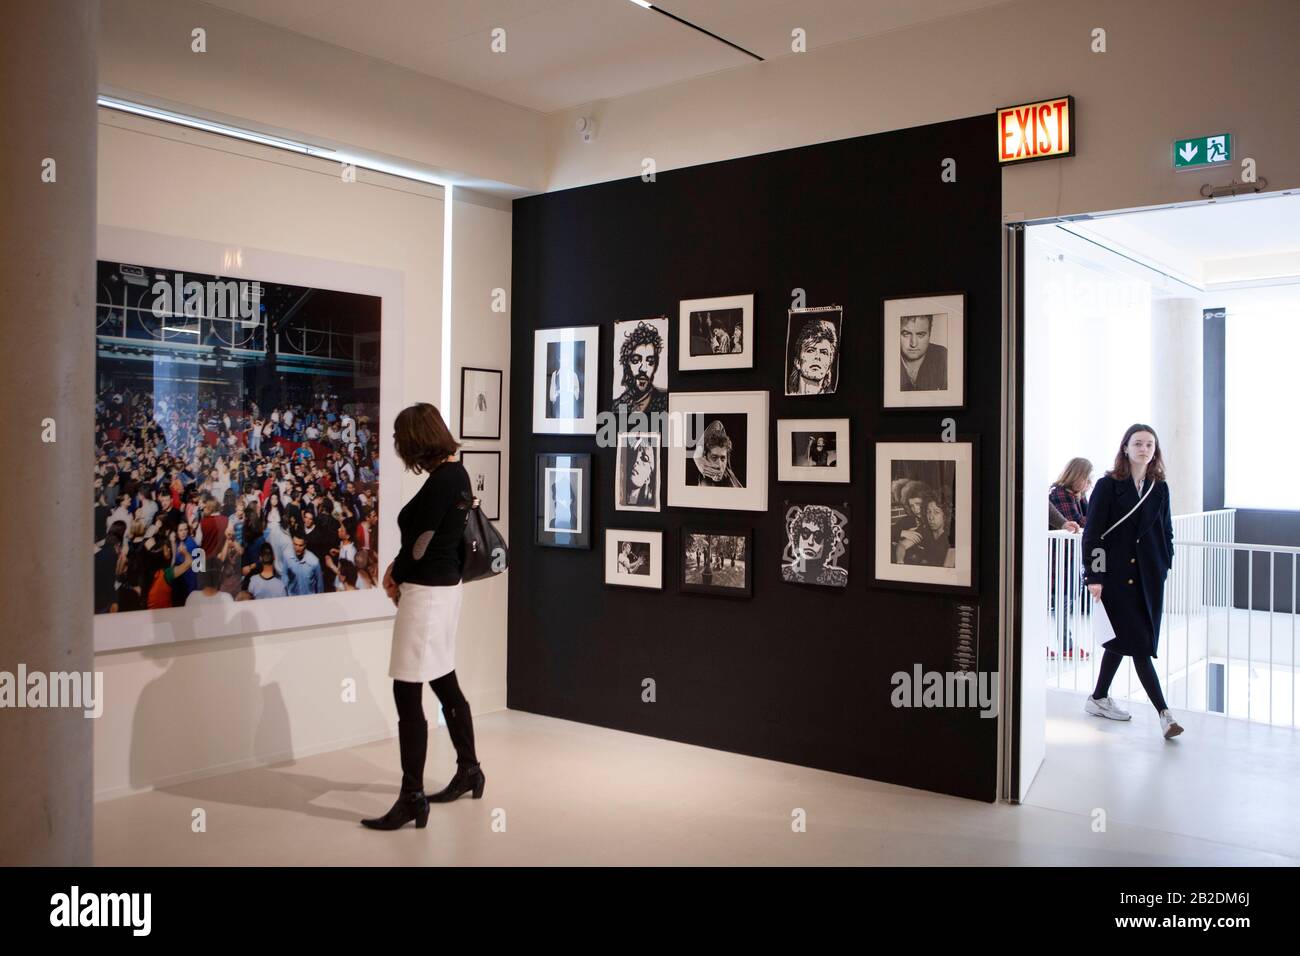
[{"x": 424, "y": 582}]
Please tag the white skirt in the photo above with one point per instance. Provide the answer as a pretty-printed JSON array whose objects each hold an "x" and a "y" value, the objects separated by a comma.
[{"x": 424, "y": 632}]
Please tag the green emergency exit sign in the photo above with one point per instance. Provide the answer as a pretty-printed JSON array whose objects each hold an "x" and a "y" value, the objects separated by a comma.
[{"x": 1202, "y": 150}]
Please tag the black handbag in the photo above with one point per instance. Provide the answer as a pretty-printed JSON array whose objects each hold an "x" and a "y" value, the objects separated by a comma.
[{"x": 483, "y": 552}]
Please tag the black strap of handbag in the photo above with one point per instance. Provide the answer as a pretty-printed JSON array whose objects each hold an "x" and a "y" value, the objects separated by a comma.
[{"x": 483, "y": 551}]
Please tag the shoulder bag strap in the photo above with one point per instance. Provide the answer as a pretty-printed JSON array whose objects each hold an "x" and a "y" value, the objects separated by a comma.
[{"x": 1131, "y": 510}]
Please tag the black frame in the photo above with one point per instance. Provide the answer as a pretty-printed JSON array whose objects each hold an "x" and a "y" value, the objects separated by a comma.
[
  {"x": 551, "y": 539},
  {"x": 1038, "y": 159},
  {"x": 663, "y": 560},
  {"x": 475, "y": 451},
  {"x": 715, "y": 590},
  {"x": 971, "y": 590},
  {"x": 492, "y": 371},
  {"x": 887, "y": 353}
]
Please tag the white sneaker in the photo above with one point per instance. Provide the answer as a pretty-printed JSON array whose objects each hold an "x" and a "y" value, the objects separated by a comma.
[
  {"x": 1169, "y": 726},
  {"x": 1106, "y": 708}
]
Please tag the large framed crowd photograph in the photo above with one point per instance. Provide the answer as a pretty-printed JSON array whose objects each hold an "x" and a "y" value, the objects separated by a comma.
[
  {"x": 563, "y": 500},
  {"x": 634, "y": 558},
  {"x": 565, "y": 376},
  {"x": 716, "y": 333},
  {"x": 717, "y": 450},
  {"x": 925, "y": 351},
  {"x": 239, "y": 440},
  {"x": 925, "y": 514},
  {"x": 812, "y": 450},
  {"x": 717, "y": 562}
]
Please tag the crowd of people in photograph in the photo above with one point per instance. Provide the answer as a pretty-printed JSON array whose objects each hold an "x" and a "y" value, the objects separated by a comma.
[{"x": 203, "y": 497}]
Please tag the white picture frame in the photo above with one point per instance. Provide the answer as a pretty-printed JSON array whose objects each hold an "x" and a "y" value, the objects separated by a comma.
[
  {"x": 642, "y": 566},
  {"x": 958, "y": 570},
  {"x": 701, "y": 360},
  {"x": 946, "y": 317},
  {"x": 691, "y": 415},
  {"x": 569, "y": 358},
  {"x": 791, "y": 466}
]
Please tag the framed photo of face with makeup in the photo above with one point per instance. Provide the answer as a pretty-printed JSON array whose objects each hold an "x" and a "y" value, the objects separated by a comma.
[
  {"x": 636, "y": 472},
  {"x": 925, "y": 351},
  {"x": 813, "y": 341}
]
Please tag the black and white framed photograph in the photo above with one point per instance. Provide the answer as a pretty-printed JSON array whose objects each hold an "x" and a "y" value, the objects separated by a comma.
[
  {"x": 563, "y": 500},
  {"x": 925, "y": 351},
  {"x": 484, "y": 468},
  {"x": 812, "y": 449},
  {"x": 715, "y": 333},
  {"x": 813, "y": 340},
  {"x": 637, "y": 485},
  {"x": 717, "y": 450},
  {"x": 640, "y": 368},
  {"x": 565, "y": 364},
  {"x": 925, "y": 514},
  {"x": 480, "y": 403},
  {"x": 816, "y": 544},
  {"x": 717, "y": 562},
  {"x": 634, "y": 558}
]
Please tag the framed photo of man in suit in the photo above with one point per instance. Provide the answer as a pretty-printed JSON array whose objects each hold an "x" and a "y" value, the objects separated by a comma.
[{"x": 925, "y": 351}]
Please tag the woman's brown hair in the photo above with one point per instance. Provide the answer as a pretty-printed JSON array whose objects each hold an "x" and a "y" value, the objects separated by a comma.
[
  {"x": 1076, "y": 470},
  {"x": 1156, "y": 468},
  {"x": 422, "y": 438}
]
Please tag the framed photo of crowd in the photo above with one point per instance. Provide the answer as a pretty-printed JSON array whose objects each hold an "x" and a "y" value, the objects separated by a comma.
[
  {"x": 925, "y": 351},
  {"x": 925, "y": 514},
  {"x": 717, "y": 562}
]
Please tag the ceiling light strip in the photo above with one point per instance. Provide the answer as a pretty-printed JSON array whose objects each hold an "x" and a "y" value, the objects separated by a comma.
[{"x": 695, "y": 26}]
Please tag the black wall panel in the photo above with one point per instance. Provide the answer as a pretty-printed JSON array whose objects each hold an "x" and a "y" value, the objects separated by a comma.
[{"x": 798, "y": 674}]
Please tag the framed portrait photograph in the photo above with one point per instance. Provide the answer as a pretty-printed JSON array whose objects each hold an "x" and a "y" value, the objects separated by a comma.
[
  {"x": 636, "y": 472},
  {"x": 565, "y": 373},
  {"x": 816, "y": 544},
  {"x": 717, "y": 450},
  {"x": 925, "y": 351},
  {"x": 717, "y": 562},
  {"x": 640, "y": 367},
  {"x": 480, "y": 403},
  {"x": 484, "y": 469},
  {"x": 715, "y": 333},
  {"x": 925, "y": 514},
  {"x": 813, "y": 339},
  {"x": 634, "y": 558},
  {"x": 812, "y": 449},
  {"x": 563, "y": 500}
]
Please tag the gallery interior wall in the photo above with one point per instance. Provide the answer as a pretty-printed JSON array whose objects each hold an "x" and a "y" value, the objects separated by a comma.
[
  {"x": 173, "y": 713},
  {"x": 798, "y": 674},
  {"x": 1171, "y": 68}
]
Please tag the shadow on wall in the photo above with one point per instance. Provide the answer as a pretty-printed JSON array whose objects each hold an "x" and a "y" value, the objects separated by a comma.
[{"x": 209, "y": 709}]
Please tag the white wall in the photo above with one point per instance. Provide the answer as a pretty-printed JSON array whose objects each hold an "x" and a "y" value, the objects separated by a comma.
[
  {"x": 181, "y": 711},
  {"x": 1177, "y": 396},
  {"x": 1173, "y": 68}
]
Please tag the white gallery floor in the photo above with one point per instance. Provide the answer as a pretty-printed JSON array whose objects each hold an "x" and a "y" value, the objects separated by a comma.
[{"x": 568, "y": 793}]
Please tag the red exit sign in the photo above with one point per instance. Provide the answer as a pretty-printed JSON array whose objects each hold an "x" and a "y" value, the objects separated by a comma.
[{"x": 1041, "y": 130}]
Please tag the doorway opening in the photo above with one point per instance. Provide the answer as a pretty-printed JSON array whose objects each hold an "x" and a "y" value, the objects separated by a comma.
[{"x": 1186, "y": 319}]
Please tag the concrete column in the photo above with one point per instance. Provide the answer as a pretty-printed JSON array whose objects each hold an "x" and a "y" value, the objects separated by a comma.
[
  {"x": 1177, "y": 386},
  {"x": 47, "y": 343}
]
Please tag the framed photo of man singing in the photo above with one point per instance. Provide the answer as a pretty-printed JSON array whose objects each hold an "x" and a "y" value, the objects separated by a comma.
[{"x": 925, "y": 351}]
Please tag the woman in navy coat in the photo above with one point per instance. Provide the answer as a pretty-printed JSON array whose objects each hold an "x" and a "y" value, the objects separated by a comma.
[{"x": 1126, "y": 555}]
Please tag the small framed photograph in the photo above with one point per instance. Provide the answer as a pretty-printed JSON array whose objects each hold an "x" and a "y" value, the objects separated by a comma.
[
  {"x": 565, "y": 372},
  {"x": 925, "y": 351},
  {"x": 717, "y": 450},
  {"x": 812, "y": 350},
  {"x": 484, "y": 469},
  {"x": 634, "y": 558},
  {"x": 715, "y": 333},
  {"x": 717, "y": 562},
  {"x": 812, "y": 449},
  {"x": 636, "y": 472},
  {"x": 816, "y": 544},
  {"x": 640, "y": 367},
  {"x": 563, "y": 500},
  {"x": 480, "y": 403},
  {"x": 925, "y": 515}
]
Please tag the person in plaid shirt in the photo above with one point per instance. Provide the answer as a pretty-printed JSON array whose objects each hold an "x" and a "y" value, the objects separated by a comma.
[{"x": 1068, "y": 497}]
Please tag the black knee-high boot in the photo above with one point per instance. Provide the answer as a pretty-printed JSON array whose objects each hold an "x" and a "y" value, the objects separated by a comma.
[
  {"x": 412, "y": 804},
  {"x": 469, "y": 775}
]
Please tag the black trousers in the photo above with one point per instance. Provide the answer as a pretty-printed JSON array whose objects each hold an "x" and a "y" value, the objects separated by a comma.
[{"x": 1146, "y": 672}]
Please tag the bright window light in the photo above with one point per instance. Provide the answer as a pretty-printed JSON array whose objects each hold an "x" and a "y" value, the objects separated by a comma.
[{"x": 642, "y": 3}]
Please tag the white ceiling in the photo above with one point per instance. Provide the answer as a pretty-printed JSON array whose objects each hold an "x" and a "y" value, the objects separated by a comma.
[
  {"x": 1227, "y": 241},
  {"x": 562, "y": 53}
]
